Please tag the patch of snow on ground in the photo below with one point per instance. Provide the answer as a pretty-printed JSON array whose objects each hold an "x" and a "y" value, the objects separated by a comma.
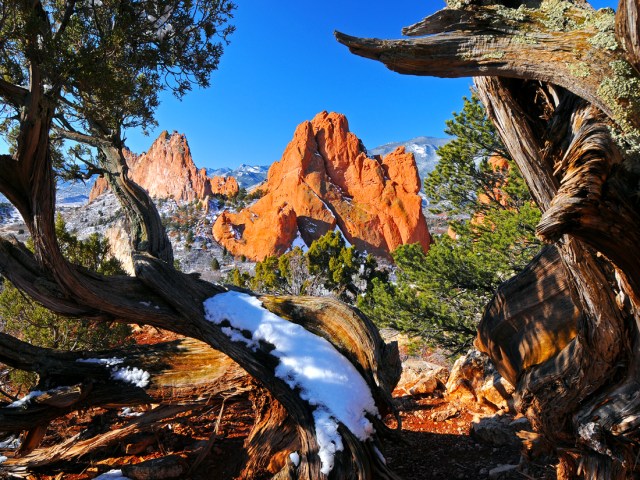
[
  {"x": 3, "y": 459},
  {"x": 112, "y": 475},
  {"x": 299, "y": 242},
  {"x": 326, "y": 379},
  {"x": 26, "y": 399}
]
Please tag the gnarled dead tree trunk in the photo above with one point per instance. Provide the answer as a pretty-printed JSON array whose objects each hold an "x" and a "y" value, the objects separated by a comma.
[{"x": 561, "y": 83}]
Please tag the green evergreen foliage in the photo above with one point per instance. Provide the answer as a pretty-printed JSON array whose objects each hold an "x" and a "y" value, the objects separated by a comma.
[
  {"x": 269, "y": 277},
  {"x": 340, "y": 268},
  {"x": 215, "y": 264},
  {"x": 329, "y": 266},
  {"x": 90, "y": 53},
  {"x": 92, "y": 253},
  {"x": 463, "y": 171},
  {"x": 32, "y": 323},
  {"x": 441, "y": 295},
  {"x": 239, "y": 278}
]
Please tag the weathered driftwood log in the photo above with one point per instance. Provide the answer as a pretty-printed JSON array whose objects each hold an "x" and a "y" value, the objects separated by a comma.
[
  {"x": 566, "y": 107},
  {"x": 181, "y": 371}
]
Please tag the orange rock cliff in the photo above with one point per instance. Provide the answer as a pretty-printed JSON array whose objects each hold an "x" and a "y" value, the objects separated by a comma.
[
  {"x": 167, "y": 171},
  {"x": 325, "y": 180}
]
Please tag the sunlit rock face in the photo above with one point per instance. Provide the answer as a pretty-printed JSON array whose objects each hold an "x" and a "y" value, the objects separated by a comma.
[
  {"x": 325, "y": 180},
  {"x": 167, "y": 170}
]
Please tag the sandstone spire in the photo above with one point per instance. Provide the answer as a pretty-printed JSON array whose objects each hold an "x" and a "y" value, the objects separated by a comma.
[{"x": 325, "y": 180}]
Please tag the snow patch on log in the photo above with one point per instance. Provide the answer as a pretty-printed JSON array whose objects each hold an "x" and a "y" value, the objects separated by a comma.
[
  {"x": 326, "y": 379},
  {"x": 109, "y": 362},
  {"x": 134, "y": 375},
  {"x": 26, "y": 399}
]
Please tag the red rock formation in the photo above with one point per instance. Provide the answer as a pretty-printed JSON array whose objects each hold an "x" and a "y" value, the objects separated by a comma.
[
  {"x": 167, "y": 171},
  {"x": 328, "y": 181}
]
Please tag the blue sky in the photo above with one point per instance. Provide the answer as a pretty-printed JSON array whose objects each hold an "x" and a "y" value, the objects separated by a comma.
[{"x": 283, "y": 66}]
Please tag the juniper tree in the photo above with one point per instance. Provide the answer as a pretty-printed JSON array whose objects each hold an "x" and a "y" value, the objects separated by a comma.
[
  {"x": 560, "y": 82},
  {"x": 441, "y": 295}
]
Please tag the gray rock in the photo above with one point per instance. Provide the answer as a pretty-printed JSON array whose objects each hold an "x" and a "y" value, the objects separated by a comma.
[
  {"x": 420, "y": 377},
  {"x": 498, "y": 430}
]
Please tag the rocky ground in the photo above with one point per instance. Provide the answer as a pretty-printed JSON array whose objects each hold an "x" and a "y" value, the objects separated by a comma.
[{"x": 447, "y": 432}]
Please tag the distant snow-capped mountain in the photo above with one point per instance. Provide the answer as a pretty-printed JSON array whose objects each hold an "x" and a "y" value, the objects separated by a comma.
[
  {"x": 68, "y": 193},
  {"x": 74, "y": 192},
  {"x": 423, "y": 148},
  {"x": 248, "y": 176}
]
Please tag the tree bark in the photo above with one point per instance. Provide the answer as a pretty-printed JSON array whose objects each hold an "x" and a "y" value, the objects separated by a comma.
[
  {"x": 145, "y": 226},
  {"x": 565, "y": 106}
]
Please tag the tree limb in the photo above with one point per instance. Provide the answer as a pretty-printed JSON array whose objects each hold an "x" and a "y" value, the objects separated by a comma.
[
  {"x": 81, "y": 137},
  {"x": 180, "y": 371},
  {"x": 13, "y": 94},
  {"x": 480, "y": 42}
]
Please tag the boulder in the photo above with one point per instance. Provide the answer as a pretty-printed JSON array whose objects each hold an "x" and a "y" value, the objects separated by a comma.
[
  {"x": 499, "y": 430},
  {"x": 420, "y": 377},
  {"x": 474, "y": 378}
]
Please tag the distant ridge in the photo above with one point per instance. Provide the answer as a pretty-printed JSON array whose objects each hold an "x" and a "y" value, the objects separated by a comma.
[{"x": 248, "y": 176}]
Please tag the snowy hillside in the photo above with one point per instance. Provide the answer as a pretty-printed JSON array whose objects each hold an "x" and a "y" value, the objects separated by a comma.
[
  {"x": 76, "y": 193},
  {"x": 69, "y": 193},
  {"x": 248, "y": 176}
]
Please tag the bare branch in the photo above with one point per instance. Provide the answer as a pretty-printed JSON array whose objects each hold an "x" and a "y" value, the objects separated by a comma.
[
  {"x": 13, "y": 94},
  {"x": 465, "y": 43},
  {"x": 67, "y": 16}
]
